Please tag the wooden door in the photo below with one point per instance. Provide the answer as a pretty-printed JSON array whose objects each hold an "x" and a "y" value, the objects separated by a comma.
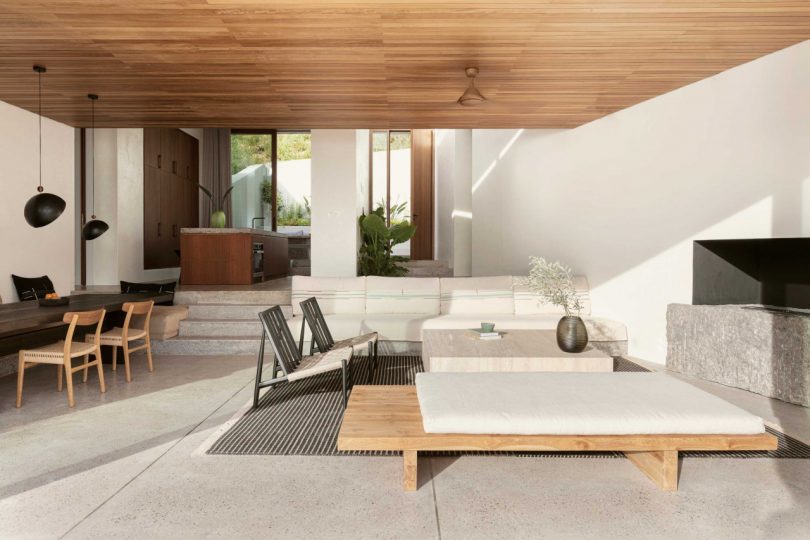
[
  {"x": 183, "y": 154},
  {"x": 169, "y": 148},
  {"x": 151, "y": 217},
  {"x": 169, "y": 235},
  {"x": 422, "y": 193}
]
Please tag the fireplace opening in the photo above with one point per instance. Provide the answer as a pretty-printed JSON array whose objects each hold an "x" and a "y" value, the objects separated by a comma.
[{"x": 769, "y": 272}]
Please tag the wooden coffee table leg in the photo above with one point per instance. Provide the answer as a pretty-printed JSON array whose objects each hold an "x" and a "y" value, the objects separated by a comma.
[
  {"x": 409, "y": 470},
  {"x": 661, "y": 467}
]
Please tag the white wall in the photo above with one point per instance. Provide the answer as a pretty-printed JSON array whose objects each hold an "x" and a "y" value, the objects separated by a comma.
[
  {"x": 335, "y": 201},
  {"x": 443, "y": 161},
  {"x": 118, "y": 254},
  {"x": 622, "y": 199},
  {"x": 27, "y": 251},
  {"x": 452, "y": 162}
]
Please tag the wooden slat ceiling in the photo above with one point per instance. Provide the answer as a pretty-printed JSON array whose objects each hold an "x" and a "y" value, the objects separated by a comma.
[{"x": 400, "y": 64}]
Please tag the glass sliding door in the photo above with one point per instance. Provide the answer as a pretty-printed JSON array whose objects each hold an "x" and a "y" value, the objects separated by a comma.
[{"x": 251, "y": 200}]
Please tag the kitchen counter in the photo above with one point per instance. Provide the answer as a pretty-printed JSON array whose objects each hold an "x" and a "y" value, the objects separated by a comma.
[
  {"x": 242, "y": 256},
  {"x": 232, "y": 230}
]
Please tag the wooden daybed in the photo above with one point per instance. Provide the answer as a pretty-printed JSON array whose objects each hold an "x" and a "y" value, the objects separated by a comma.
[{"x": 389, "y": 418}]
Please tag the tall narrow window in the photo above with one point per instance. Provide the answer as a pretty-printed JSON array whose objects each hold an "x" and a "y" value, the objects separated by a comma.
[
  {"x": 252, "y": 176},
  {"x": 294, "y": 182},
  {"x": 391, "y": 178}
]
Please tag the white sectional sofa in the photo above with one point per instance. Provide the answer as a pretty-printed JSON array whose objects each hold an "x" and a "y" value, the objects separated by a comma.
[{"x": 400, "y": 309}]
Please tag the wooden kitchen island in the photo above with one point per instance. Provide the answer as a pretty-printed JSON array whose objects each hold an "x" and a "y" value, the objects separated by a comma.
[{"x": 211, "y": 256}]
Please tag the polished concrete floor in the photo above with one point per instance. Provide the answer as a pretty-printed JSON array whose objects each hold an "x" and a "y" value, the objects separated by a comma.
[{"x": 126, "y": 464}]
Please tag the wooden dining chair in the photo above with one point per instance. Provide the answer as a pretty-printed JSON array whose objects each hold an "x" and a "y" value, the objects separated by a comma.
[
  {"x": 121, "y": 337},
  {"x": 62, "y": 353}
]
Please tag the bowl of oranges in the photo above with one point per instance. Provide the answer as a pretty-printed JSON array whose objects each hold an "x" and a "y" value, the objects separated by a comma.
[{"x": 53, "y": 299}]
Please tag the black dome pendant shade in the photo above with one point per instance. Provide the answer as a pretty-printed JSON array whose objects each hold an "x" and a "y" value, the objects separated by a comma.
[
  {"x": 43, "y": 208},
  {"x": 95, "y": 227}
]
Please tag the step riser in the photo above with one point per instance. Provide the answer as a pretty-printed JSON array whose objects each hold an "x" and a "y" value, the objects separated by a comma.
[
  {"x": 234, "y": 312},
  {"x": 264, "y": 298},
  {"x": 203, "y": 347},
  {"x": 210, "y": 329}
]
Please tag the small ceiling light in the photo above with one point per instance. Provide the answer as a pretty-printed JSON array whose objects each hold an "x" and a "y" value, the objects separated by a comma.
[
  {"x": 43, "y": 208},
  {"x": 95, "y": 227},
  {"x": 471, "y": 95}
]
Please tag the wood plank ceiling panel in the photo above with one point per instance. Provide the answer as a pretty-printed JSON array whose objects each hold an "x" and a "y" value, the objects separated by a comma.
[{"x": 350, "y": 64}]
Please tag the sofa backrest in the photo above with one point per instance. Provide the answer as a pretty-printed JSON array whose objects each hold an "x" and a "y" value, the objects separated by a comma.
[
  {"x": 416, "y": 295},
  {"x": 486, "y": 295},
  {"x": 529, "y": 303},
  {"x": 335, "y": 295}
]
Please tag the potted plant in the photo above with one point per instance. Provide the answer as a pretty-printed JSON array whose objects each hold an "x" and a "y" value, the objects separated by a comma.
[
  {"x": 376, "y": 256},
  {"x": 218, "y": 217},
  {"x": 552, "y": 281}
]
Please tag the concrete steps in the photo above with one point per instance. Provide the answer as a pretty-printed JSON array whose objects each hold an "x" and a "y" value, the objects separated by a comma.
[{"x": 222, "y": 322}]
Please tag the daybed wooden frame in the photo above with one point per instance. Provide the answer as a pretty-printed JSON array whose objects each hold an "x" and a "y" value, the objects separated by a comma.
[{"x": 389, "y": 418}]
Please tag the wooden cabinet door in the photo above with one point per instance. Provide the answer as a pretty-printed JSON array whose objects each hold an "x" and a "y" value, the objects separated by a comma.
[
  {"x": 169, "y": 235},
  {"x": 151, "y": 217},
  {"x": 169, "y": 147},
  {"x": 183, "y": 154},
  {"x": 151, "y": 147}
]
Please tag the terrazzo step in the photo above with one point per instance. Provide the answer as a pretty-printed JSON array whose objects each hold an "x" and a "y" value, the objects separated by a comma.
[
  {"x": 264, "y": 298},
  {"x": 231, "y": 311},
  {"x": 213, "y": 328},
  {"x": 198, "y": 346}
]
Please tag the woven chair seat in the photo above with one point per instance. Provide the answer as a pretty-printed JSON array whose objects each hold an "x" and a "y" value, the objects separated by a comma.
[
  {"x": 320, "y": 363},
  {"x": 55, "y": 352},
  {"x": 358, "y": 341},
  {"x": 116, "y": 336}
]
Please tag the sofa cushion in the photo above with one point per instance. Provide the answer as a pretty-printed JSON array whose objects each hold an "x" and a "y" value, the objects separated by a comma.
[
  {"x": 396, "y": 327},
  {"x": 598, "y": 329},
  {"x": 341, "y": 326},
  {"x": 402, "y": 295},
  {"x": 335, "y": 295},
  {"x": 529, "y": 303},
  {"x": 491, "y": 295}
]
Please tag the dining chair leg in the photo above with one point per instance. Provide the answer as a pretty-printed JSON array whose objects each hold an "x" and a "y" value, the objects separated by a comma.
[
  {"x": 59, "y": 369},
  {"x": 86, "y": 367},
  {"x": 115, "y": 357},
  {"x": 149, "y": 353},
  {"x": 126, "y": 362},
  {"x": 20, "y": 376},
  {"x": 100, "y": 371},
  {"x": 69, "y": 381}
]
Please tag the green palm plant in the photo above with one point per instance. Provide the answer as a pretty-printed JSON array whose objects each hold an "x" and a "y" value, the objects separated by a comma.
[
  {"x": 376, "y": 256},
  {"x": 218, "y": 215}
]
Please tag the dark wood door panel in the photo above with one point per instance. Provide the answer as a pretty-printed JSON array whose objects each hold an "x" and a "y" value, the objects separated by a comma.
[{"x": 422, "y": 193}]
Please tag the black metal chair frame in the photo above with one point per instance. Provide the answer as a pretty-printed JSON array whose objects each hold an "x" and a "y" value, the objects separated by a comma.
[
  {"x": 322, "y": 339},
  {"x": 287, "y": 356}
]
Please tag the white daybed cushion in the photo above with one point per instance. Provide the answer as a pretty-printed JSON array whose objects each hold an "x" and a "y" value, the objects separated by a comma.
[
  {"x": 575, "y": 404},
  {"x": 598, "y": 329},
  {"x": 491, "y": 295},
  {"x": 335, "y": 295},
  {"x": 402, "y": 295},
  {"x": 529, "y": 303}
]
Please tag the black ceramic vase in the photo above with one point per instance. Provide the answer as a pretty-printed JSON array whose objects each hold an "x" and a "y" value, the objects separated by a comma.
[{"x": 572, "y": 336}]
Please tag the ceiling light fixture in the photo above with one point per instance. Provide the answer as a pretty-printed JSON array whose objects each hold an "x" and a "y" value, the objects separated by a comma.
[
  {"x": 471, "y": 95},
  {"x": 95, "y": 227},
  {"x": 43, "y": 208}
]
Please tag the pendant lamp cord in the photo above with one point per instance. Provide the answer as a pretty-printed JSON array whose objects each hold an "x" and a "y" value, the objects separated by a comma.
[
  {"x": 93, "y": 122},
  {"x": 39, "y": 83}
]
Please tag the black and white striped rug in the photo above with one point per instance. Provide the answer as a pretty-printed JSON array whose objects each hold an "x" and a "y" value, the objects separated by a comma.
[{"x": 303, "y": 419}]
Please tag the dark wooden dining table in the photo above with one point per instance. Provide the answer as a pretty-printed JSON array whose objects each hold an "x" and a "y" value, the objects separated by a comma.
[{"x": 27, "y": 324}]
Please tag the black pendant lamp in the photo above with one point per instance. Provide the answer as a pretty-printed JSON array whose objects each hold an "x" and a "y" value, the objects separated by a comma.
[
  {"x": 43, "y": 208},
  {"x": 95, "y": 227}
]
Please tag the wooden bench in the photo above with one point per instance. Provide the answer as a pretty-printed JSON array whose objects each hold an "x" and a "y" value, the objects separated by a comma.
[{"x": 389, "y": 418}]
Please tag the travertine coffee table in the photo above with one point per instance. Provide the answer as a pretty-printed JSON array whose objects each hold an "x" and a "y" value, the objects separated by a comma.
[{"x": 517, "y": 350}]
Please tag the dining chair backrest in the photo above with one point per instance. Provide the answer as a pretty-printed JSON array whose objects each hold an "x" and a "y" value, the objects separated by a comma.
[
  {"x": 134, "y": 309},
  {"x": 313, "y": 317},
  {"x": 276, "y": 330},
  {"x": 82, "y": 318}
]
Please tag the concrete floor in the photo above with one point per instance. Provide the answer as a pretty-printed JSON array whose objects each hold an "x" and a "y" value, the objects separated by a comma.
[{"x": 123, "y": 465}]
